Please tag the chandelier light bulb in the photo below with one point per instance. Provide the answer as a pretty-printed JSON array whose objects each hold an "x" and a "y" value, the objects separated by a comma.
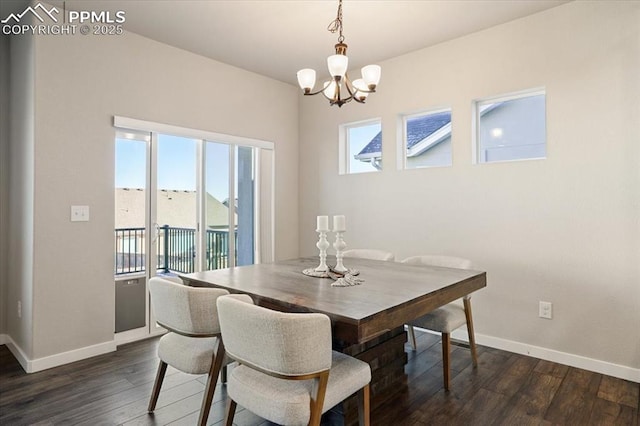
[
  {"x": 330, "y": 88},
  {"x": 337, "y": 65},
  {"x": 362, "y": 91},
  {"x": 371, "y": 75},
  {"x": 307, "y": 79}
]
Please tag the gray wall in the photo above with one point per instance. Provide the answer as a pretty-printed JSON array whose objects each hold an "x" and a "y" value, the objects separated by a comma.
[
  {"x": 79, "y": 84},
  {"x": 21, "y": 192},
  {"x": 4, "y": 176},
  {"x": 563, "y": 230}
]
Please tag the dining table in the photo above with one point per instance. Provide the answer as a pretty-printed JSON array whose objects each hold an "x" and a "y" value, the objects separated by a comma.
[{"x": 367, "y": 319}]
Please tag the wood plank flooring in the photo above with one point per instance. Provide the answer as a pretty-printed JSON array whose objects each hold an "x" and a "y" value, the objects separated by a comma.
[{"x": 505, "y": 389}]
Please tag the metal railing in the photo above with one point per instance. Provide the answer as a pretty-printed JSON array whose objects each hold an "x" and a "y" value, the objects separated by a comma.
[
  {"x": 130, "y": 247},
  {"x": 217, "y": 247},
  {"x": 176, "y": 250}
]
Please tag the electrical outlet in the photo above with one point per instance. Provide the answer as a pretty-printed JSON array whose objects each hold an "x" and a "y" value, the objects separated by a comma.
[
  {"x": 19, "y": 309},
  {"x": 545, "y": 310}
]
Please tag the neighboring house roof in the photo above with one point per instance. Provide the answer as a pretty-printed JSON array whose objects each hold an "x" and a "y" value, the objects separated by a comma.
[
  {"x": 175, "y": 208},
  {"x": 422, "y": 127},
  {"x": 374, "y": 146},
  {"x": 418, "y": 129}
]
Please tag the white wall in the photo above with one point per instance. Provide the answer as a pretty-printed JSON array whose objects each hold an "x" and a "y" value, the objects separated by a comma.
[
  {"x": 80, "y": 84},
  {"x": 563, "y": 230}
]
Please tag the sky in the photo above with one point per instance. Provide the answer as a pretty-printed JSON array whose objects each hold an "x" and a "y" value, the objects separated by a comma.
[{"x": 176, "y": 165}]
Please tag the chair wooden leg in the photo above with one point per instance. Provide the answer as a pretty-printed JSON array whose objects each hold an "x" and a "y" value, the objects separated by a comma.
[
  {"x": 472, "y": 336},
  {"x": 162, "y": 369},
  {"x": 212, "y": 381},
  {"x": 231, "y": 412},
  {"x": 446, "y": 357},
  {"x": 223, "y": 375},
  {"x": 318, "y": 402},
  {"x": 412, "y": 337},
  {"x": 363, "y": 406}
]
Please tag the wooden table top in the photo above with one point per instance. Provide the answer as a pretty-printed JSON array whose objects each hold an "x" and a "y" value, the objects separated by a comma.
[{"x": 392, "y": 293}]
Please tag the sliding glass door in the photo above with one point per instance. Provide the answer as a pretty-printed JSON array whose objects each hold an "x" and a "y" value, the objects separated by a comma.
[{"x": 183, "y": 204}]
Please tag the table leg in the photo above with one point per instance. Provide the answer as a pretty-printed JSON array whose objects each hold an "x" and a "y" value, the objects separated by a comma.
[{"x": 387, "y": 357}]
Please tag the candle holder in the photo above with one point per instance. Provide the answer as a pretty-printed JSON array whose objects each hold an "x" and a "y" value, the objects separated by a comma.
[
  {"x": 322, "y": 245},
  {"x": 339, "y": 245}
]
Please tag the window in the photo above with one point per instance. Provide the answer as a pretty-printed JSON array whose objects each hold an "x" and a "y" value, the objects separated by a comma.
[
  {"x": 511, "y": 127},
  {"x": 361, "y": 147},
  {"x": 426, "y": 139}
]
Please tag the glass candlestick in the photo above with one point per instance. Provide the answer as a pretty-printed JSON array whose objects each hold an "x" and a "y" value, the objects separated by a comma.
[
  {"x": 322, "y": 245},
  {"x": 339, "y": 245}
]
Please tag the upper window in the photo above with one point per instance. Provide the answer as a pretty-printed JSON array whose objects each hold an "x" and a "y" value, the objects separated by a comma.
[
  {"x": 361, "y": 147},
  {"x": 426, "y": 139},
  {"x": 511, "y": 127}
]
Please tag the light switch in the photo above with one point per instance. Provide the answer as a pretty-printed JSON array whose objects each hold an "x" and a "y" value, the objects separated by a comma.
[{"x": 79, "y": 213}]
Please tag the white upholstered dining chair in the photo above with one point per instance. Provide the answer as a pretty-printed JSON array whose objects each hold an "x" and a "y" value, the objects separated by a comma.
[
  {"x": 287, "y": 372},
  {"x": 369, "y": 254},
  {"x": 193, "y": 344},
  {"x": 447, "y": 318}
]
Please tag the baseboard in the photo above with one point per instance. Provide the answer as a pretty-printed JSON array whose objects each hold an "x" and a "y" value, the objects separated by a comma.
[
  {"x": 135, "y": 335},
  {"x": 44, "y": 363},
  {"x": 17, "y": 352},
  {"x": 590, "y": 364}
]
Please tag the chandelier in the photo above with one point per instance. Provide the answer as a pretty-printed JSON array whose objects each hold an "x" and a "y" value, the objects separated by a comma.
[{"x": 340, "y": 89}]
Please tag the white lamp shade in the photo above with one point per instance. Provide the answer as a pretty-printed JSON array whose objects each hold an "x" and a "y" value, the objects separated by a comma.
[
  {"x": 371, "y": 74},
  {"x": 306, "y": 78},
  {"x": 337, "y": 65},
  {"x": 362, "y": 91},
  {"x": 330, "y": 89}
]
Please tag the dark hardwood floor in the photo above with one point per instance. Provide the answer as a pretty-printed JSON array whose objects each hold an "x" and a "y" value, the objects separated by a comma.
[{"x": 505, "y": 389}]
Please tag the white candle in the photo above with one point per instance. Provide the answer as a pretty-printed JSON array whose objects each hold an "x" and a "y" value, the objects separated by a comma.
[
  {"x": 323, "y": 223},
  {"x": 339, "y": 224}
]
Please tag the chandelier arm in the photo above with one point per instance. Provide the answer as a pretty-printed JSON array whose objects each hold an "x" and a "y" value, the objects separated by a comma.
[
  {"x": 352, "y": 95},
  {"x": 347, "y": 85},
  {"x": 367, "y": 91},
  {"x": 350, "y": 85},
  {"x": 315, "y": 93}
]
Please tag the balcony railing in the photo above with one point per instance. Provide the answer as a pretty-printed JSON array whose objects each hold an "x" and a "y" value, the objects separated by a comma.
[
  {"x": 176, "y": 250},
  {"x": 130, "y": 250}
]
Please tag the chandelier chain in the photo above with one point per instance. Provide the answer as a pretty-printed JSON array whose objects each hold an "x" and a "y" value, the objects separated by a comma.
[{"x": 336, "y": 24}]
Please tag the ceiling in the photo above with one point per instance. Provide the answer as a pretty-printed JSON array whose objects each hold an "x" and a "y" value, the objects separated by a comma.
[{"x": 277, "y": 38}]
